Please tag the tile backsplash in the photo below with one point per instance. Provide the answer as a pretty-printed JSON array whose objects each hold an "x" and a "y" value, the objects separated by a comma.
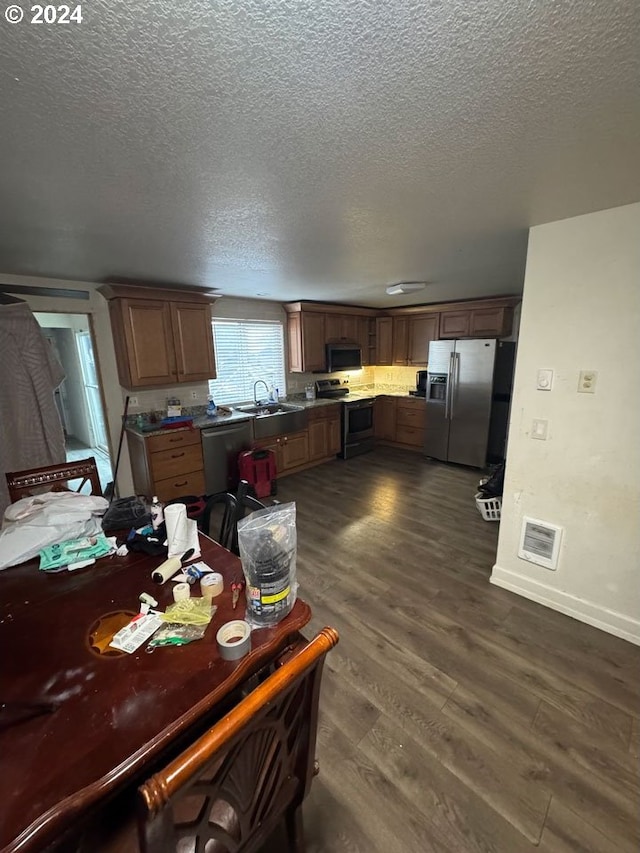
[{"x": 375, "y": 379}]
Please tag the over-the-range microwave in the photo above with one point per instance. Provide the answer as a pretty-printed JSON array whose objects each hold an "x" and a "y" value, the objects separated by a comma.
[{"x": 343, "y": 357}]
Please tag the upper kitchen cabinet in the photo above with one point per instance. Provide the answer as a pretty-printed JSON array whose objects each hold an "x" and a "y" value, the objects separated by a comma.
[
  {"x": 341, "y": 327},
  {"x": 483, "y": 321},
  {"x": 384, "y": 340},
  {"x": 422, "y": 330},
  {"x": 306, "y": 337},
  {"x": 400, "y": 340},
  {"x": 162, "y": 340},
  {"x": 311, "y": 325},
  {"x": 367, "y": 339}
]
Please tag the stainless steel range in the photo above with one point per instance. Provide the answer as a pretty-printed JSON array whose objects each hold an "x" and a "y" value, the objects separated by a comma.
[{"x": 357, "y": 417}]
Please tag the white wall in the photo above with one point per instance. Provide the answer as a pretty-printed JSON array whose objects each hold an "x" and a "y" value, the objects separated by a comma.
[{"x": 581, "y": 311}]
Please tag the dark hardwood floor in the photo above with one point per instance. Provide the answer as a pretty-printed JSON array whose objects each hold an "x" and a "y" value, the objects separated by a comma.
[{"x": 455, "y": 716}]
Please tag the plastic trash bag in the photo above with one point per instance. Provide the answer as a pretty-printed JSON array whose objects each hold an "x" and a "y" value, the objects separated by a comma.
[
  {"x": 268, "y": 548},
  {"x": 33, "y": 523}
]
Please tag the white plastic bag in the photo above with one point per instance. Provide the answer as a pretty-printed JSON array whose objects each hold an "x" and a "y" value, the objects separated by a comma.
[
  {"x": 268, "y": 547},
  {"x": 32, "y": 523}
]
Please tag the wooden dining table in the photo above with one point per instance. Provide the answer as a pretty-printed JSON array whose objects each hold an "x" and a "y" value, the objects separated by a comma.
[{"x": 78, "y": 725}]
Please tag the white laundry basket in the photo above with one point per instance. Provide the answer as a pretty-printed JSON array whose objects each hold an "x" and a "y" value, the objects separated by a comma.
[{"x": 489, "y": 508}]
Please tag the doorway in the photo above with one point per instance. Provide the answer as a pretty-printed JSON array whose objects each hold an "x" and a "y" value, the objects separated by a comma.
[{"x": 79, "y": 397}]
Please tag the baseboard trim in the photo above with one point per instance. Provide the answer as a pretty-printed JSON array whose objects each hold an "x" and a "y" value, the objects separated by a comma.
[{"x": 584, "y": 611}]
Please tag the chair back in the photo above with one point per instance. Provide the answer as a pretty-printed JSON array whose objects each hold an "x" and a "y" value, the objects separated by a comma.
[
  {"x": 235, "y": 508},
  {"x": 228, "y": 791},
  {"x": 23, "y": 484},
  {"x": 229, "y": 505}
]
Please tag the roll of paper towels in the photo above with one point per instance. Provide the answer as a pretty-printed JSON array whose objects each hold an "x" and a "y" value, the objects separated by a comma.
[{"x": 182, "y": 531}]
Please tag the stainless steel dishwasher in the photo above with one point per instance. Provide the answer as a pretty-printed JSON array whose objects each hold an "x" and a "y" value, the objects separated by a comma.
[{"x": 220, "y": 448}]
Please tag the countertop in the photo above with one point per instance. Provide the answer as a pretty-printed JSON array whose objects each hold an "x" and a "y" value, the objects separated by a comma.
[{"x": 205, "y": 422}]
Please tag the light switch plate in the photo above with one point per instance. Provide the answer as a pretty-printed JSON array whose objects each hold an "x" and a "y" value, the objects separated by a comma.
[
  {"x": 539, "y": 429},
  {"x": 545, "y": 379}
]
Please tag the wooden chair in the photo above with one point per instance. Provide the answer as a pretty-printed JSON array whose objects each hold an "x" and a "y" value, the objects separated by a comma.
[
  {"x": 54, "y": 478},
  {"x": 228, "y": 791}
]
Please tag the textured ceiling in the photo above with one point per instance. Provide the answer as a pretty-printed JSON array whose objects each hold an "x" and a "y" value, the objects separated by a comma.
[{"x": 314, "y": 150}]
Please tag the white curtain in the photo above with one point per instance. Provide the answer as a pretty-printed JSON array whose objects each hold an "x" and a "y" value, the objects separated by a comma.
[{"x": 31, "y": 434}]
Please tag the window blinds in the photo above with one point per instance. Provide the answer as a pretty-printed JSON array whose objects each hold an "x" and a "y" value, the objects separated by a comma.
[{"x": 245, "y": 352}]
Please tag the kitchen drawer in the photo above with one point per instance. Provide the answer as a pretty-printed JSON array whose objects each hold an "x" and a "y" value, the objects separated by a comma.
[
  {"x": 323, "y": 412},
  {"x": 172, "y": 439},
  {"x": 178, "y": 487},
  {"x": 178, "y": 460},
  {"x": 410, "y": 435},
  {"x": 411, "y": 417}
]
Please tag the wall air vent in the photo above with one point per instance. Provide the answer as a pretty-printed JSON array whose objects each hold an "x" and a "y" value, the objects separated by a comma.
[{"x": 540, "y": 543}]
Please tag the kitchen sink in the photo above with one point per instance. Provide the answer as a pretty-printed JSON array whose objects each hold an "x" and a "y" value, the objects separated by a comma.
[{"x": 275, "y": 418}]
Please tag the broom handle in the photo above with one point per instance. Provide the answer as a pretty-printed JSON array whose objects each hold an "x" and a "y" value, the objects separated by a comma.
[{"x": 122, "y": 426}]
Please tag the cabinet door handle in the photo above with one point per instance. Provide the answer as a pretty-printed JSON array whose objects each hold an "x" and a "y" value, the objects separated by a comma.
[
  {"x": 177, "y": 455},
  {"x": 173, "y": 440},
  {"x": 184, "y": 483}
]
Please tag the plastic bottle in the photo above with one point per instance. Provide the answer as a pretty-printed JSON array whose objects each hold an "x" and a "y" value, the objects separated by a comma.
[
  {"x": 212, "y": 409},
  {"x": 157, "y": 512},
  {"x": 272, "y": 395}
]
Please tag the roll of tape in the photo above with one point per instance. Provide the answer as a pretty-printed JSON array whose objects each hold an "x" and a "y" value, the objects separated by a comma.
[
  {"x": 234, "y": 640},
  {"x": 181, "y": 591},
  {"x": 211, "y": 585}
]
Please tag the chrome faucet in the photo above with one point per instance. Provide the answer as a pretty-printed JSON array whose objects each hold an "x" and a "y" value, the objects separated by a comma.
[{"x": 255, "y": 396}]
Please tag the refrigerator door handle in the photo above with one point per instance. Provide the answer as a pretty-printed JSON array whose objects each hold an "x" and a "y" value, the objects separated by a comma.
[
  {"x": 447, "y": 396},
  {"x": 453, "y": 380}
]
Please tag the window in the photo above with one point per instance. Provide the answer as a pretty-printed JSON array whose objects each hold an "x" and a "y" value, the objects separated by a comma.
[{"x": 247, "y": 350}]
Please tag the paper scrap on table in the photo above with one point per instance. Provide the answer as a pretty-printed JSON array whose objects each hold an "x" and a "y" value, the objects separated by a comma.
[
  {"x": 182, "y": 531},
  {"x": 137, "y": 632}
]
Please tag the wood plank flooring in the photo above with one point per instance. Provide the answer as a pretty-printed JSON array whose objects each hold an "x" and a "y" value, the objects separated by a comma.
[{"x": 455, "y": 716}]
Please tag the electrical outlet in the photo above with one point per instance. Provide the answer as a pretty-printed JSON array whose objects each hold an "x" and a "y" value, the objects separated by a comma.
[
  {"x": 194, "y": 395},
  {"x": 539, "y": 429},
  {"x": 133, "y": 401},
  {"x": 587, "y": 382}
]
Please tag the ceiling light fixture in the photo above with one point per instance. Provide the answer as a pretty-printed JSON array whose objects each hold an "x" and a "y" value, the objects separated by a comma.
[{"x": 405, "y": 287}]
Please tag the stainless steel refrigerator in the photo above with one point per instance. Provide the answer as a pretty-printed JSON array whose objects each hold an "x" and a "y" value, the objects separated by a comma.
[{"x": 468, "y": 395}]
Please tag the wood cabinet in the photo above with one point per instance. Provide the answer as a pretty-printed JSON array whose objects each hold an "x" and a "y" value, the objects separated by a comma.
[
  {"x": 488, "y": 322},
  {"x": 341, "y": 327},
  {"x": 422, "y": 330},
  {"x": 309, "y": 329},
  {"x": 384, "y": 340},
  {"x": 306, "y": 338},
  {"x": 324, "y": 432},
  {"x": 291, "y": 450},
  {"x": 411, "y": 418},
  {"x": 400, "y": 340},
  {"x": 384, "y": 418},
  {"x": 367, "y": 339},
  {"x": 162, "y": 340},
  {"x": 400, "y": 420},
  {"x": 169, "y": 465}
]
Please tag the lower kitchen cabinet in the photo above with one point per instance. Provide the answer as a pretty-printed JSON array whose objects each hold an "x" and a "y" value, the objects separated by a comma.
[
  {"x": 169, "y": 465},
  {"x": 411, "y": 419},
  {"x": 401, "y": 421},
  {"x": 384, "y": 418},
  {"x": 291, "y": 451},
  {"x": 324, "y": 432},
  {"x": 320, "y": 442}
]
